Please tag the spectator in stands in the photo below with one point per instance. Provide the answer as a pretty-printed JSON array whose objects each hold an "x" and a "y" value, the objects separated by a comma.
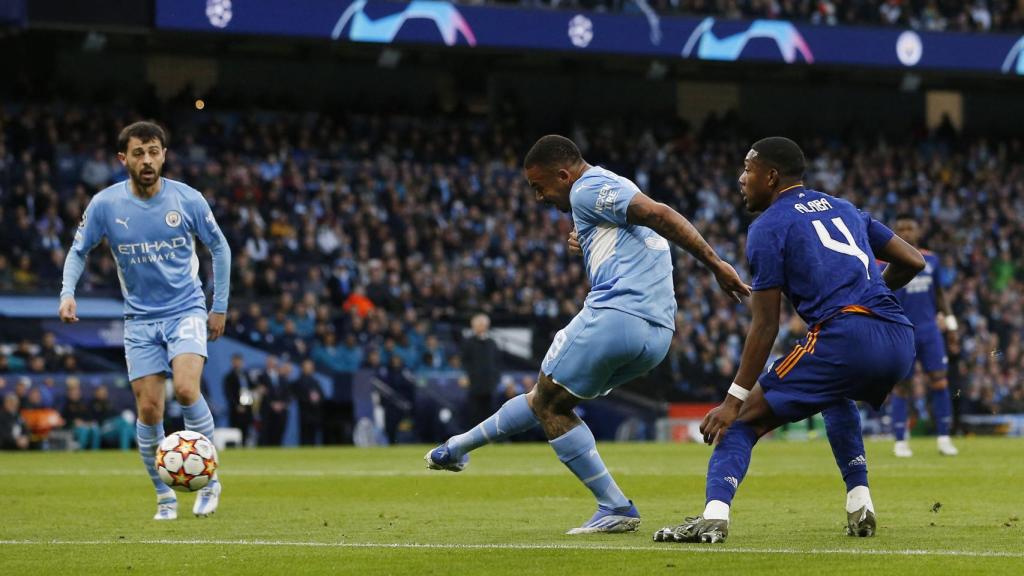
[
  {"x": 274, "y": 398},
  {"x": 79, "y": 418},
  {"x": 434, "y": 355},
  {"x": 115, "y": 428},
  {"x": 310, "y": 396},
  {"x": 240, "y": 393},
  {"x": 48, "y": 351},
  {"x": 482, "y": 363},
  {"x": 398, "y": 398},
  {"x": 39, "y": 418},
  {"x": 13, "y": 432}
]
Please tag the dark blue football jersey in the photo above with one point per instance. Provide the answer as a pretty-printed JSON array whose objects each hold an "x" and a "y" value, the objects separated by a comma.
[
  {"x": 820, "y": 251},
  {"x": 918, "y": 296}
]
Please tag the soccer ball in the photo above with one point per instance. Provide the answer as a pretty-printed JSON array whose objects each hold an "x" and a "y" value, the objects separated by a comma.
[{"x": 186, "y": 461}]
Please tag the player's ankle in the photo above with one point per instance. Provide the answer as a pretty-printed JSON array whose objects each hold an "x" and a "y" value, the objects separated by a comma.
[{"x": 716, "y": 510}]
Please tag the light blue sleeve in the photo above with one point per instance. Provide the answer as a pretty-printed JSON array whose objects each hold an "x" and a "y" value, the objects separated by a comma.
[
  {"x": 603, "y": 200},
  {"x": 90, "y": 232},
  {"x": 209, "y": 232}
]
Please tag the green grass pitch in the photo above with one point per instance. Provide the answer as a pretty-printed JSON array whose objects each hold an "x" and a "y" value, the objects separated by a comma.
[{"x": 379, "y": 511}]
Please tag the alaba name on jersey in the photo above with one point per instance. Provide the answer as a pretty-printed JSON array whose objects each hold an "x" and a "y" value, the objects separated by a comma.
[
  {"x": 629, "y": 266},
  {"x": 153, "y": 244}
]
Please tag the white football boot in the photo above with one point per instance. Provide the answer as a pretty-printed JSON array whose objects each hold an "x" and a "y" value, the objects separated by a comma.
[
  {"x": 946, "y": 447},
  {"x": 207, "y": 500},
  {"x": 166, "y": 506},
  {"x": 902, "y": 449}
]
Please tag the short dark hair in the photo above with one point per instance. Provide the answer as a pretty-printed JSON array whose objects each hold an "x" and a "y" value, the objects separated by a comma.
[
  {"x": 782, "y": 154},
  {"x": 905, "y": 216},
  {"x": 145, "y": 131},
  {"x": 552, "y": 150}
]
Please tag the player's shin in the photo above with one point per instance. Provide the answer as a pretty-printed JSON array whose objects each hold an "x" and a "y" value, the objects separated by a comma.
[
  {"x": 514, "y": 417},
  {"x": 149, "y": 437},
  {"x": 577, "y": 449},
  {"x": 843, "y": 426},
  {"x": 727, "y": 468},
  {"x": 198, "y": 418},
  {"x": 942, "y": 409},
  {"x": 898, "y": 413}
]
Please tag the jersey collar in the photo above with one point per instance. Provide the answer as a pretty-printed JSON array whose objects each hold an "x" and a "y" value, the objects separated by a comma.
[
  {"x": 139, "y": 201},
  {"x": 791, "y": 189}
]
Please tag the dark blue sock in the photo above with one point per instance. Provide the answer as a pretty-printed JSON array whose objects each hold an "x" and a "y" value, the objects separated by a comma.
[
  {"x": 729, "y": 462},
  {"x": 842, "y": 424},
  {"x": 942, "y": 410},
  {"x": 898, "y": 413}
]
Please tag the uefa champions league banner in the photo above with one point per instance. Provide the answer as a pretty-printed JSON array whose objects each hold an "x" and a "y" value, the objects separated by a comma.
[{"x": 644, "y": 34}]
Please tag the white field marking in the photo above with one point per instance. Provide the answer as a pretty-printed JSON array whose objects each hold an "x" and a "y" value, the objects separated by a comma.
[
  {"x": 680, "y": 548},
  {"x": 475, "y": 472}
]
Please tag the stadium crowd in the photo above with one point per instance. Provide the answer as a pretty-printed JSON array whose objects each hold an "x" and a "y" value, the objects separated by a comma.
[
  {"x": 367, "y": 242},
  {"x": 931, "y": 15}
]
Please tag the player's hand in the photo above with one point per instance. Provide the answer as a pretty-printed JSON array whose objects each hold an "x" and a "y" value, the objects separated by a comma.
[
  {"x": 215, "y": 326},
  {"x": 68, "y": 310},
  {"x": 719, "y": 419},
  {"x": 730, "y": 281},
  {"x": 574, "y": 244}
]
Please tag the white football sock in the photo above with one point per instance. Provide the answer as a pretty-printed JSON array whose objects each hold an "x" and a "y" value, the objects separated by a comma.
[
  {"x": 857, "y": 498},
  {"x": 716, "y": 510}
]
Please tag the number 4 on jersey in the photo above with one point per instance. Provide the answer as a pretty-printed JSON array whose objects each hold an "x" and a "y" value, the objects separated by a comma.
[{"x": 849, "y": 247}]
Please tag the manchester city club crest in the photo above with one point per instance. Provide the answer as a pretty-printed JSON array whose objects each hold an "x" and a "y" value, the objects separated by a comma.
[{"x": 173, "y": 219}]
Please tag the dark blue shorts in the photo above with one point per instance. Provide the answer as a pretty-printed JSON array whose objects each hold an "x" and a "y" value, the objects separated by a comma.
[
  {"x": 931, "y": 348},
  {"x": 852, "y": 356}
]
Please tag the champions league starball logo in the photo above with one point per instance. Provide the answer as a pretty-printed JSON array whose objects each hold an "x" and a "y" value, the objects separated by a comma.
[
  {"x": 218, "y": 12},
  {"x": 581, "y": 31},
  {"x": 707, "y": 46},
  {"x": 364, "y": 28}
]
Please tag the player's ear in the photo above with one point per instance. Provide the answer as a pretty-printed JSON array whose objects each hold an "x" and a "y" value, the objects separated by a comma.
[{"x": 121, "y": 157}]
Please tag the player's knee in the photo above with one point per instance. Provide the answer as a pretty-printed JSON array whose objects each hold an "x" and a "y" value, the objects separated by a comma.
[
  {"x": 150, "y": 409},
  {"x": 939, "y": 384},
  {"x": 186, "y": 393}
]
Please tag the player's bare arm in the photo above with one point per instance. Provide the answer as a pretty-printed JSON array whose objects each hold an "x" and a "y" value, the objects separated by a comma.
[
  {"x": 904, "y": 260},
  {"x": 947, "y": 320},
  {"x": 677, "y": 229},
  {"x": 764, "y": 327}
]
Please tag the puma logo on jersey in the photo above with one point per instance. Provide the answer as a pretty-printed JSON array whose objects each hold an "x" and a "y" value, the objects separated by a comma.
[
  {"x": 819, "y": 205},
  {"x": 123, "y": 222}
]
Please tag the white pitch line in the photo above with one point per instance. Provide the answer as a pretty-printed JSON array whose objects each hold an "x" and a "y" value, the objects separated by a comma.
[{"x": 674, "y": 548}]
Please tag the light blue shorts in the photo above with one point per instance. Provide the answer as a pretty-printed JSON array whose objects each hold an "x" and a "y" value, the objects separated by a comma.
[
  {"x": 150, "y": 345},
  {"x": 602, "y": 349}
]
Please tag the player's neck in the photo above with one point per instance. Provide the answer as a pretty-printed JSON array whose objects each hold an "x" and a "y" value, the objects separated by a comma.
[
  {"x": 783, "y": 188},
  {"x": 579, "y": 169},
  {"x": 146, "y": 192}
]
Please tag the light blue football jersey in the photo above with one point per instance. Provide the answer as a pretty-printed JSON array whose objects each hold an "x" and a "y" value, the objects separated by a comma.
[
  {"x": 629, "y": 266},
  {"x": 153, "y": 244}
]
